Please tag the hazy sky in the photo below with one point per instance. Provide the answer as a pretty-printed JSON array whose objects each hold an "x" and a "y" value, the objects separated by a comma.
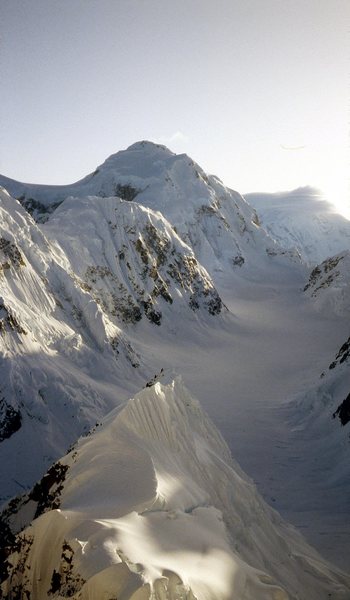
[{"x": 256, "y": 91}]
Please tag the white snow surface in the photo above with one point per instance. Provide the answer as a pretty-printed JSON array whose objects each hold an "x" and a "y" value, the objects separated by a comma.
[
  {"x": 153, "y": 506},
  {"x": 58, "y": 351},
  {"x": 70, "y": 293},
  {"x": 70, "y": 352},
  {"x": 303, "y": 219}
]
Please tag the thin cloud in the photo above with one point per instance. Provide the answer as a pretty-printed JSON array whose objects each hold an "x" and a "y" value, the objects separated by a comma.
[
  {"x": 174, "y": 138},
  {"x": 292, "y": 147}
]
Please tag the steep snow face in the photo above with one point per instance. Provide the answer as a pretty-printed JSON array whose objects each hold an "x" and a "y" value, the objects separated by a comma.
[
  {"x": 72, "y": 292},
  {"x": 57, "y": 346},
  {"x": 131, "y": 261},
  {"x": 221, "y": 228},
  {"x": 304, "y": 220},
  {"x": 151, "y": 505},
  {"x": 329, "y": 285}
]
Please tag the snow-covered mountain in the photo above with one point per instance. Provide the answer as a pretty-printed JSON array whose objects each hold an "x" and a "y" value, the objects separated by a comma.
[
  {"x": 58, "y": 348},
  {"x": 304, "y": 220},
  {"x": 130, "y": 259},
  {"x": 66, "y": 309},
  {"x": 151, "y": 505},
  {"x": 216, "y": 222},
  {"x": 124, "y": 245},
  {"x": 151, "y": 266}
]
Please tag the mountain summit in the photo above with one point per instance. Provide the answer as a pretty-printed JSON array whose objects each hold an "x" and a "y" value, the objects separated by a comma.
[{"x": 219, "y": 225}]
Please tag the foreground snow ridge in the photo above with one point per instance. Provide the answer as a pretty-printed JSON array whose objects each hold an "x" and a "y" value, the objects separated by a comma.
[{"x": 151, "y": 505}]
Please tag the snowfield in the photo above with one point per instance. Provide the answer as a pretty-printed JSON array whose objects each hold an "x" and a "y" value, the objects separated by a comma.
[{"x": 145, "y": 270}]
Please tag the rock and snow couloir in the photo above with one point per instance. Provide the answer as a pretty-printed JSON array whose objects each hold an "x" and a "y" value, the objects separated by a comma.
[{"x": 151, "y": 505}]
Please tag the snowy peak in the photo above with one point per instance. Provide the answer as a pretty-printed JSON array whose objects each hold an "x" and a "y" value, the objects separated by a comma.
[
  {"x": 304, "y": 220},
  {"x": 131, "y": 260},
  {"x": 149, "y": 146},
  {"x": 140, "y": 161},
  {"x": 151, "y": 505},
  {"x": 216, "y": 222}
]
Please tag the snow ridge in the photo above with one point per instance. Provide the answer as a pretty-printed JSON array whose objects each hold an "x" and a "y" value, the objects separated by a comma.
[{"x": 151, "y": 505}]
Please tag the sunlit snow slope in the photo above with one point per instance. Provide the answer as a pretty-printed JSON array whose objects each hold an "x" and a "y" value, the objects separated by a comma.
[
  {"x": 150, "y": 266},
  {"x": 66, "y": 311},
  {"x": 304, "y": 220},
  {"x": 151, "y": 505},
  {"x": 137, "y": 241}
]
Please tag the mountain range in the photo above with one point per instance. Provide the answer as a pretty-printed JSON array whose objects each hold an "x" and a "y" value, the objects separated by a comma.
[{"x": 122, "y": 297}]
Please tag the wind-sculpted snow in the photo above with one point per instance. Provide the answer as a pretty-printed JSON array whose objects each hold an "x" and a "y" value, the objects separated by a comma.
[
  {"x": 329, "y": 285},
  {"x": 151, "y": 505},
  {"x": 57, "y": 347},
  {"x": 304, "y": 220}
]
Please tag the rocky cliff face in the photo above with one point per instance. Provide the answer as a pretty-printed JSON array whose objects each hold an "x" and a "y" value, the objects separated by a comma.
[
  {"x": 133, "y": 263},
  {"x": 329, "y": 285}
]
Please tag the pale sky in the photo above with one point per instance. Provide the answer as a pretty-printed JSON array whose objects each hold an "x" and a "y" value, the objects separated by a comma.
[{"x": 255, "y": 91}]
